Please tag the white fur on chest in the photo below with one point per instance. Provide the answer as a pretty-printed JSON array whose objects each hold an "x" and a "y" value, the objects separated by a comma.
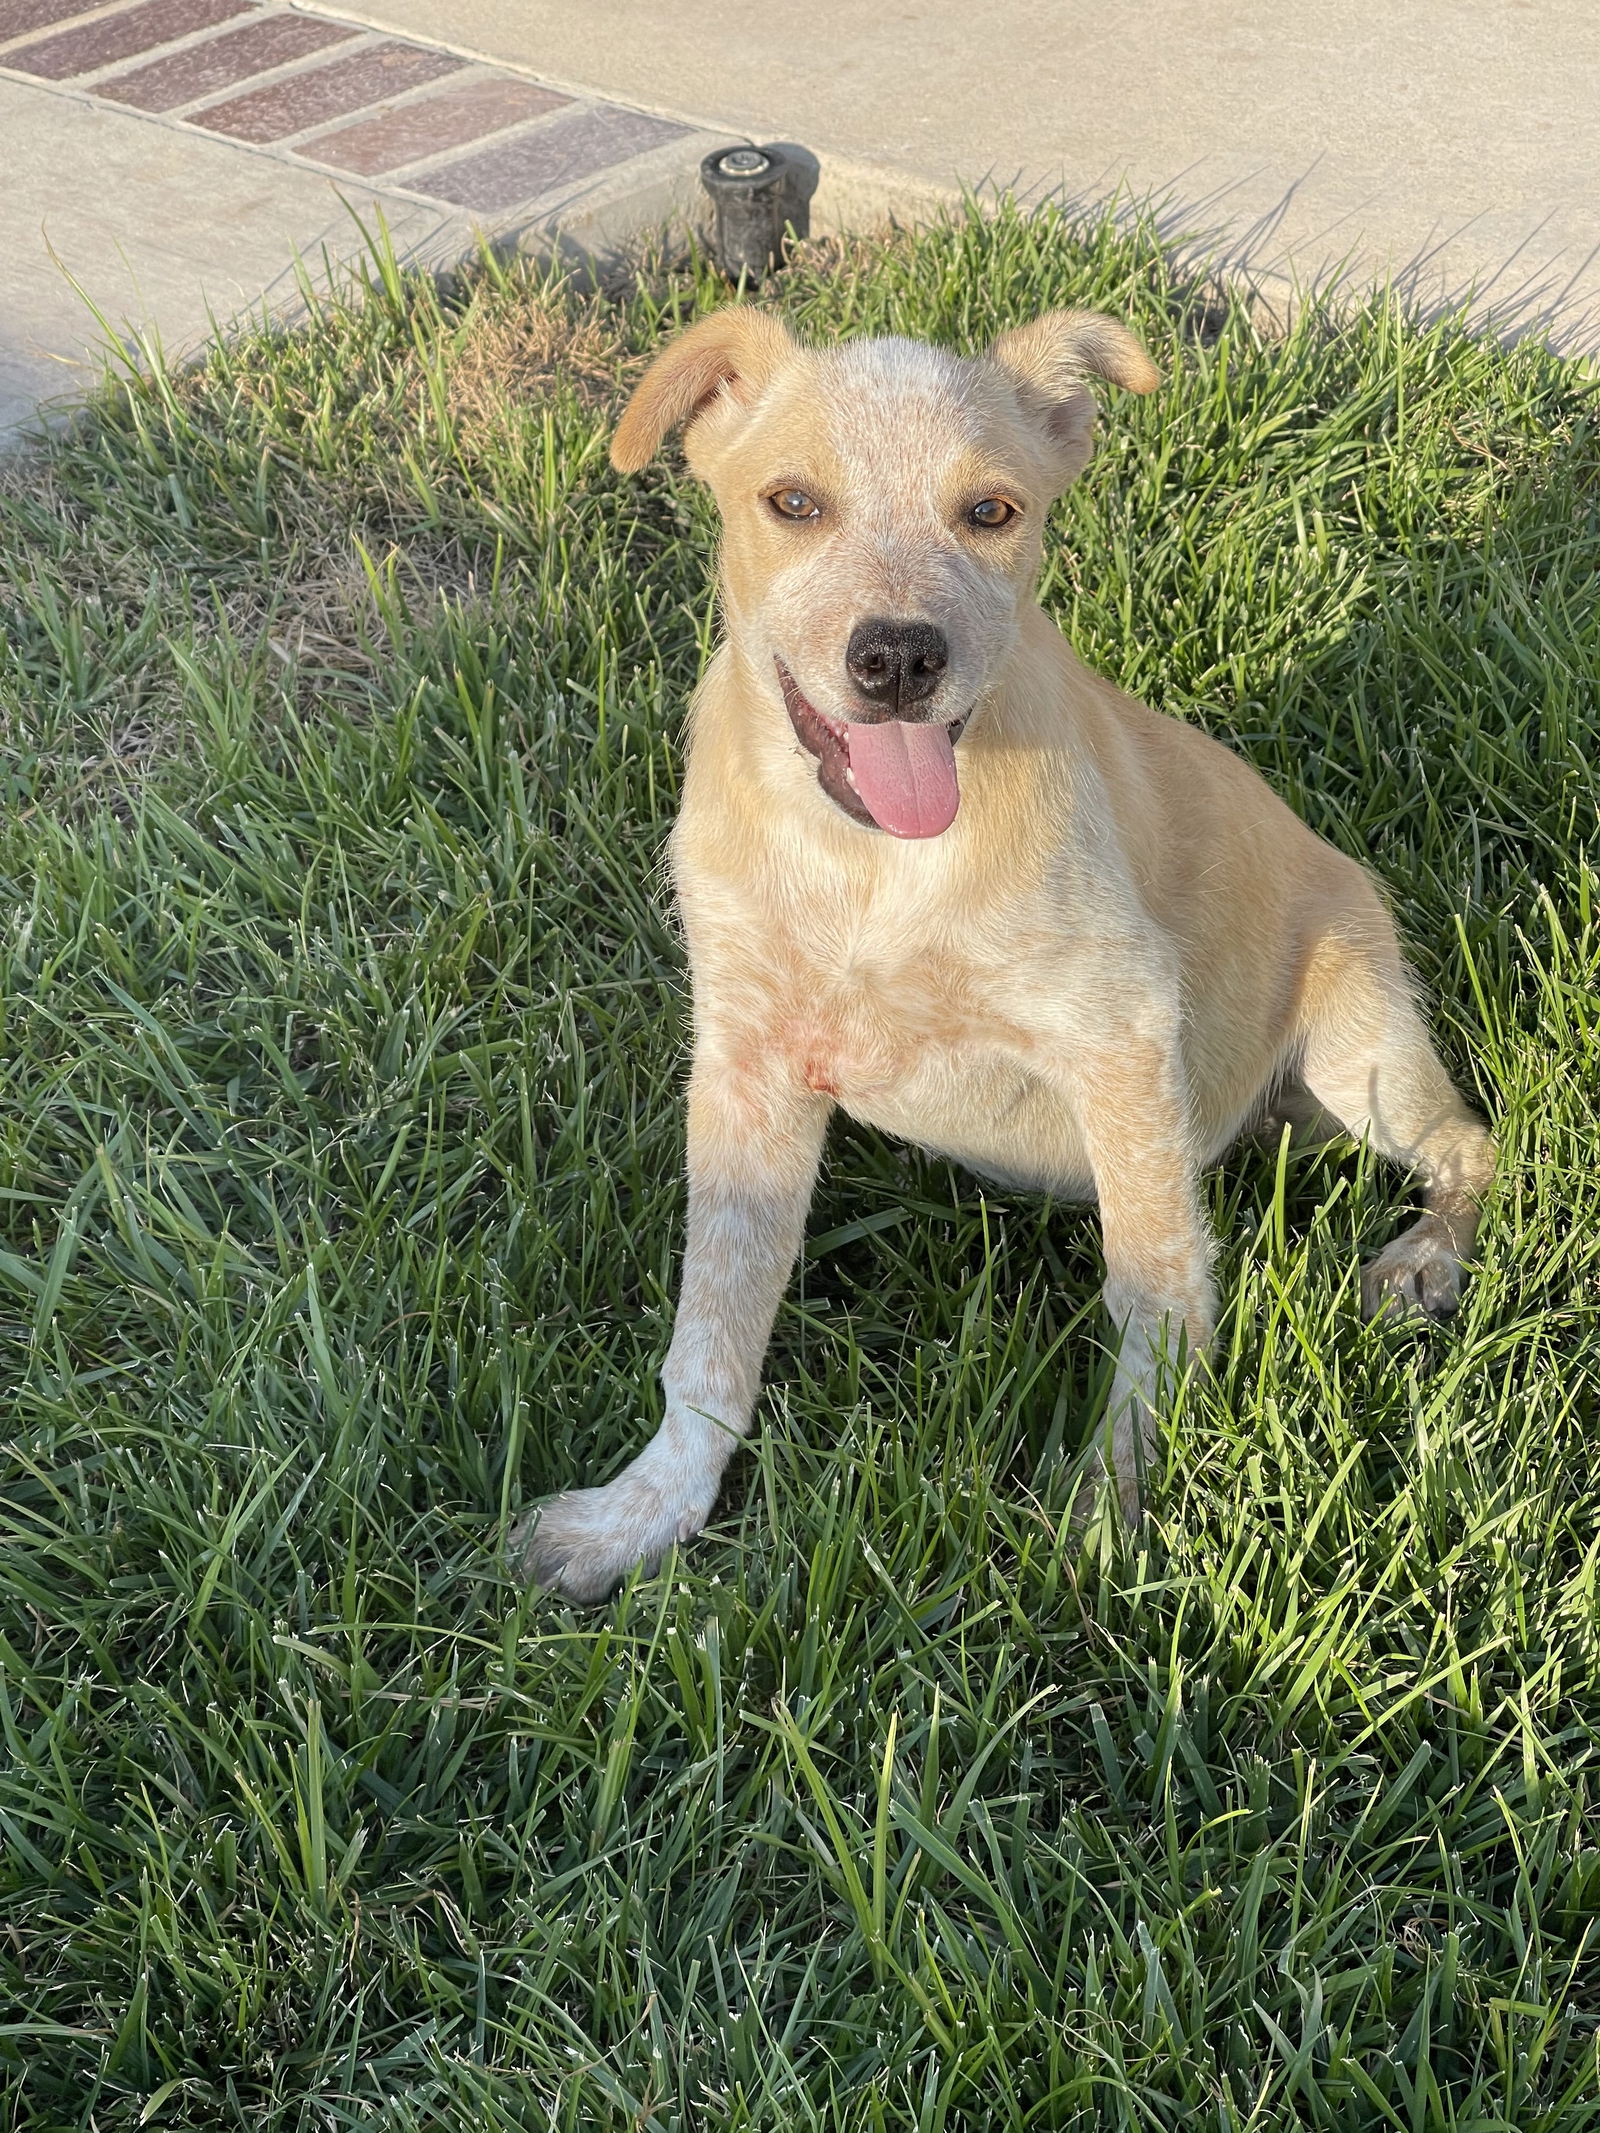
[{"x": 916, "y": 1024}]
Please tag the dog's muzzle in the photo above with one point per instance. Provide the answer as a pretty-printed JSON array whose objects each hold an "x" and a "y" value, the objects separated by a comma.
[{"x": 891, "y": 774}]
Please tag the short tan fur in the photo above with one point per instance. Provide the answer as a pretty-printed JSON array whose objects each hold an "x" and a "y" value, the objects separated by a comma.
[{"x": 1122, "y": 950}]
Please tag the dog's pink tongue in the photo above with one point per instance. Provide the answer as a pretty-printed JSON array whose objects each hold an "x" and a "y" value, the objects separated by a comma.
[{"x": 906, "y": 775}]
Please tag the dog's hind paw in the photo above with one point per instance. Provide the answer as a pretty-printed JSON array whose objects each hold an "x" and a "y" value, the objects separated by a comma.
[
  {"x": 1419, "y": 1275},
  {"x": 583, "y": 1544}
]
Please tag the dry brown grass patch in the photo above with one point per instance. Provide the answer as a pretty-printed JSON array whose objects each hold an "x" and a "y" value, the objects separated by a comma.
[{"x": 513, "y": 352}]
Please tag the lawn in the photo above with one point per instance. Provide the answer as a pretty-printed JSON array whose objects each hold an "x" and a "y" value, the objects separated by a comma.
[{"x": 341, "y": 684}]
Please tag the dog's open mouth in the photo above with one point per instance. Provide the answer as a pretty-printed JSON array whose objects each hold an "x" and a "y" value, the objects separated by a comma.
[{"x": 891, "y": 774}]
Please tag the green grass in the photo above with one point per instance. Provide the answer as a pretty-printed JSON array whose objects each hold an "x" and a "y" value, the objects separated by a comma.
[{"x": 340, "y": 687}]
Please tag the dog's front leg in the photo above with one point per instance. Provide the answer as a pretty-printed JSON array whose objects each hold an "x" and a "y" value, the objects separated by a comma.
[
  {"x": 755, "y": 1139},
  {"x": 1158, "y": 1294}
]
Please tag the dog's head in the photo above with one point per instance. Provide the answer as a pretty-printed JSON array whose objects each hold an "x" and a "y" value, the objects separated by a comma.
[{"x": 884, "y": 506}]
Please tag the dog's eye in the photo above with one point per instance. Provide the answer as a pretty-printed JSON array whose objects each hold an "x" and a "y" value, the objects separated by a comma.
[
  {"x": 794, "y": 503},
  {"x": 991, "y": 512}
]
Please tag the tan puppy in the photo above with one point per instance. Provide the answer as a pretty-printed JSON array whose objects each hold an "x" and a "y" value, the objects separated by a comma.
[{"x": 933, "y": 870}]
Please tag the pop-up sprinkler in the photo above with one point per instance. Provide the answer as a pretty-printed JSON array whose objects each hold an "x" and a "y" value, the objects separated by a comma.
[{"x": 759, "y": 197}]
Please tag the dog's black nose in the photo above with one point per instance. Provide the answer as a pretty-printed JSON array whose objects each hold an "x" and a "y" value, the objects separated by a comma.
[{"x": 896, "y": 664}]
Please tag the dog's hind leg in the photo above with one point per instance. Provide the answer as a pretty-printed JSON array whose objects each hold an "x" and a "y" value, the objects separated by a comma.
[
  {"x": 755, "y": 1139},
  {"x": 1311, "y": 1125},
  {"x": 1367, "y": 1058}
]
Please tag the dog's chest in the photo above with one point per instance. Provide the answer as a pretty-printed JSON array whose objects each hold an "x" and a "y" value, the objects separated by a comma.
[
  {"x": 916, "y": 992},
  {"x": 907, "y": 1019},
  {"x": 926, "y": 1057},
  {"x": 912, "y": 1041}
]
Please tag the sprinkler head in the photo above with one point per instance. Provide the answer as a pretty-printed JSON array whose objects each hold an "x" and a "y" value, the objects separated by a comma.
[
  {"x": 757, "y": 196},
  {"x": 742, "y": 163}
]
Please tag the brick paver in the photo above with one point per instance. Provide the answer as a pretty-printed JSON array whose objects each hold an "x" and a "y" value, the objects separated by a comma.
[
  {"x": 452, "y": 118},
  {"x": 329, "y": 92},
  {"x": 178, "y": 155},
  {"x": 120, "y": 36},
  {"x": 18, "y": 17},
  {"x": 526, "y": 141},
  {"x": 554, "y": 154},
  {"x": 237, "y": 55},
  {"x": 184, "y": 150}
]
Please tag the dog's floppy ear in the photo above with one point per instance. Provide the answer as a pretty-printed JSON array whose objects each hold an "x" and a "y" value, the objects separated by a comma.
[
  {"x": 729, "y": 355},
  {"x": 1048, "y": 362}
]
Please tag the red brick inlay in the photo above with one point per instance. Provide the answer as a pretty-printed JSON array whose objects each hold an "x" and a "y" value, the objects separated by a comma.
[
  {"x": 328, "y": 92},
  {"x": 202, "y": 69},
  {"x": 119, "y": 36},
  {"x": 552, "y": 155},
  {"x": 18, "y": 17},
  {"x": 449, "y": 120}
]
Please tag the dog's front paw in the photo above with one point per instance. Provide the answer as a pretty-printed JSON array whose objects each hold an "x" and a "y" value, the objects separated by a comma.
[
  {"x": 1133, "y": 1441},
  {"x": 1417, "y": 1276},
  {"x": 583, "y": 1544}
]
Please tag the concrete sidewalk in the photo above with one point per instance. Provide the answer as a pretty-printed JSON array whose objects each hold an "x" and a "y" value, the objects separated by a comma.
[
  {"x": 1448, "y": 143},
  {"x": 174, "y": 155},
  {"x": 169, "y": 161}
]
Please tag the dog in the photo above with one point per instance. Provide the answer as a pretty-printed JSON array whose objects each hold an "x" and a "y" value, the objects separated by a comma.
[{"x": 933, "y": 870}]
